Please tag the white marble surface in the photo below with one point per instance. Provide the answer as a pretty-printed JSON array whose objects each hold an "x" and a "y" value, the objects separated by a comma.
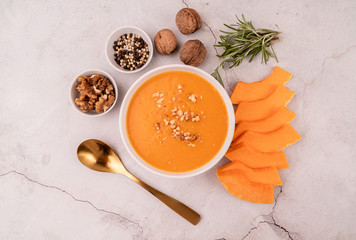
[{"x": 45, "y": 193}]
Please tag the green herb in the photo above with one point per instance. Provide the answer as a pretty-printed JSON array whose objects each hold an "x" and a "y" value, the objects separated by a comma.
[{"x": 244, "y": 40}]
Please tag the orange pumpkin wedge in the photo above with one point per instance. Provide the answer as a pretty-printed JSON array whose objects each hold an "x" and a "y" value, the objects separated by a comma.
[
  {"x": 247, "y": 92},
  {"x": 262, "y": 109},
  {"x": 267, "y": 175},
  {"x": 255, "y": 159},
  {"x": 272, "y": 141},
  {"x": 282, "y": 117},
  {"x": 239, "y": 186}
]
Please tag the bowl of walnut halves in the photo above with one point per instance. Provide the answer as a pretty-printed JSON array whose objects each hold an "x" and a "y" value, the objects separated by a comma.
[{"x": 93, "y": 93}]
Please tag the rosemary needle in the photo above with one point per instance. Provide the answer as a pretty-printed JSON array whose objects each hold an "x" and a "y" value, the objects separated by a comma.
[{"x": 244, "y": 40}]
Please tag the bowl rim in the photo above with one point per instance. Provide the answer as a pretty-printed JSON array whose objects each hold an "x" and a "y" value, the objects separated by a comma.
[
  {"x": 108, "y": 46},
  {"x": 143, "y": 79},
  {"x": 89, "y": 72}
]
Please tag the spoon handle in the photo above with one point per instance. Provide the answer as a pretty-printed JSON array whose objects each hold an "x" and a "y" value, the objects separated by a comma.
[{"x": 184, "y": 211}]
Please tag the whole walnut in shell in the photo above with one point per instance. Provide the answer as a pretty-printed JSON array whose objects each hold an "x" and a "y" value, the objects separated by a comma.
[
  {"x": 165, "y": 42},
  {"x": 188, "y": 20},
  {"x": 193, "y": 53}
]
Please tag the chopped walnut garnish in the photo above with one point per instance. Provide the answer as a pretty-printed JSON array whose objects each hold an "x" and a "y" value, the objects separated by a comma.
[
  {"x": 158, "y": 126},
  {"x": 158, "y": 97},
  {"x": 196, "y": 119},
  {"x": 192, "y": 98},
  {"x": 166, "y": 122},
  {"x": 174, "y": 120}
]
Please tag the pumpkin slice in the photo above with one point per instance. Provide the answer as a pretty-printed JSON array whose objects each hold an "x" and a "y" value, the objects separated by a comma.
[
  {"x": 239, "y": 186},
  {"x": 255, "y": 159},
  {"x": 262, "y": 109},
  {"x": 248, "y": 92},
  {"x": 282, "y": 117},
  {"x": 272, "y": 141},
  {"x": 267, "y": 175}
]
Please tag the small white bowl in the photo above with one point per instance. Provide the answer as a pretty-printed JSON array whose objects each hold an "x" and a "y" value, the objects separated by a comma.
[
  {"x": 74, "y": 93},
  {"x": 115, "y": 36},
  {"x": 143, "y": 79}
]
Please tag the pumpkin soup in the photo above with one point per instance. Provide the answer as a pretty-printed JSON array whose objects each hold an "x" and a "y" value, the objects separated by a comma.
[{"x": 177, "y": 121}]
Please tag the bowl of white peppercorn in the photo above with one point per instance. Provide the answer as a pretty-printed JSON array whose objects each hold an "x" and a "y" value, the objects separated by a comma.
[{"x": 129, "y": 49}]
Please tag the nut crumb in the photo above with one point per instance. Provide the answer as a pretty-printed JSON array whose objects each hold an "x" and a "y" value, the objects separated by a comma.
[
  {"x": 196, "y": 119},
  {"x": 192, "y": 98},
  {"x": 166, "y": 122}
]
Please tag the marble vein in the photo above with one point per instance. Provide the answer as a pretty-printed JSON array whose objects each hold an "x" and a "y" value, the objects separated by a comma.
[
  {"x": 216, "y": 51},
  {"x": 185, "y": 3},
  {"x": 273, "y": 222},
  {"x": 76, "y": 199},
  {"x": 334, "y": 56}
]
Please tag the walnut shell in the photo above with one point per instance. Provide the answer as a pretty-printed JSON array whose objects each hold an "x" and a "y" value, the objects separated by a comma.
[
  {"x": 193, "y": 53},
  {"x": 165, "y": 42},
  {"x": 188, "y": 20}
]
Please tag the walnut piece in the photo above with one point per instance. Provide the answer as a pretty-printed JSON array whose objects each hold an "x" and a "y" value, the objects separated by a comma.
[
  {"x": 188, "y": 20},
  {"x": 193, "y": 53},
  {"x": 165, "y": 42},
  {"x": 96, "y": 93},
  {"x": 103, "y": 105}
]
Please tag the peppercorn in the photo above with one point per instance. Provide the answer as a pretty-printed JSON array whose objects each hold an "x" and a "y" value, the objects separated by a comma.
[{"x": 131, "y": 51}]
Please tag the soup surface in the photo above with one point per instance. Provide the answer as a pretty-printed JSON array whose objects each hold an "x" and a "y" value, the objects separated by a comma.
[{"x": 177, "y": 121}]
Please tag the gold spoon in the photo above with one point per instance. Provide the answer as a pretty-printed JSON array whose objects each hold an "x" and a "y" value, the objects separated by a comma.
[{"x": 98, "y": 156}]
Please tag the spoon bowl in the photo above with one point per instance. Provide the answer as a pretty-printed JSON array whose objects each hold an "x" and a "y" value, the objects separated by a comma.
[{"x": 99, "y": 156}]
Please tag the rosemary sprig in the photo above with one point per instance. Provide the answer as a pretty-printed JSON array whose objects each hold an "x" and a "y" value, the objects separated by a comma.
[{"x": 244, "y": 40}]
